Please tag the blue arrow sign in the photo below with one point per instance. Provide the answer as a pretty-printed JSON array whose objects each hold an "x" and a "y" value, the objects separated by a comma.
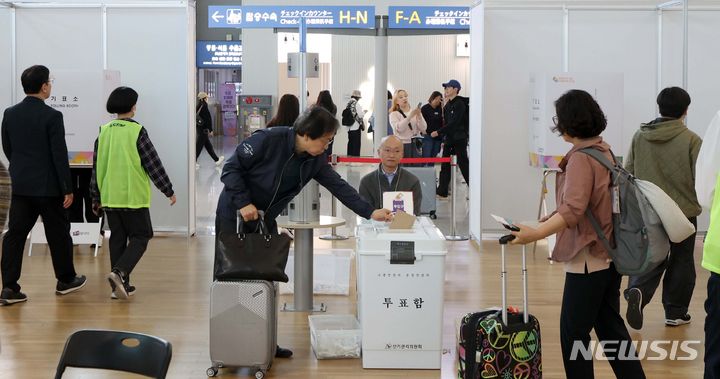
[
  {"x": 429, "y": 17},
  {"x": 335, "y": 17}
]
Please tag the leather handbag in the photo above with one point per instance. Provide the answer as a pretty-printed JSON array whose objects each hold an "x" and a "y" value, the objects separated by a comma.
[{"x": 251, "y": 256}]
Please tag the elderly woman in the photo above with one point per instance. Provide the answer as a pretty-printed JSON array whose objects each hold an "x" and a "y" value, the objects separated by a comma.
[{"x": 591, "y": 298}]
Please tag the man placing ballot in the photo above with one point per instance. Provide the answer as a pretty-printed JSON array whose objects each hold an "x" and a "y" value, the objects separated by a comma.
[{"x": 390, "y": 177}]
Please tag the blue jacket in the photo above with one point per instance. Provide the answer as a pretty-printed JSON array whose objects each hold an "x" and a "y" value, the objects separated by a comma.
[{"x": 252, "y": 176}]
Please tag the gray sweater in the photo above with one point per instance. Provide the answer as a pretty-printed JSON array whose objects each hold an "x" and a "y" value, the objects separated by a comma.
[{"x": 374, "y": 184}]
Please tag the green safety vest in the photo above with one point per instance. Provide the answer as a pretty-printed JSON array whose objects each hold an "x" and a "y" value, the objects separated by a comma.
[
  {"x": 711, "y": 251},
  {"x": 121, "y": 178}
]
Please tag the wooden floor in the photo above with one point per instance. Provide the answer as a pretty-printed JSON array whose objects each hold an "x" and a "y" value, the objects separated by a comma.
[{"x": 172, "y": 302}]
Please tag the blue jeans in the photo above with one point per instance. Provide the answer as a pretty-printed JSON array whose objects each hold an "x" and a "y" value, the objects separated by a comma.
[{"x": 430, "y": 147}]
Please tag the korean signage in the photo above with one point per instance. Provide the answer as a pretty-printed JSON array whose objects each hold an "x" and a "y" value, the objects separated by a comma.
[
  {"x": 359, "y": 17},
  {"x": 80, "y": 96},
  {"x": 429, "y": 17},
  {"x": 218, "y": 54}
]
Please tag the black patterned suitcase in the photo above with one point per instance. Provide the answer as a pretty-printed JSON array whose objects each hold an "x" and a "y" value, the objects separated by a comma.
[{"x": 506, "y": 344}]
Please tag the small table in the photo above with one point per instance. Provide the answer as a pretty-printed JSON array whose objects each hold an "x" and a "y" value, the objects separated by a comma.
[{"x": 303, "y": 270}]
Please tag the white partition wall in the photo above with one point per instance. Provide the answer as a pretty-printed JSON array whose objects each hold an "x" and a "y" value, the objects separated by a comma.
[
  {"x": 521, "y": 39},
  {"x": 6, "y": 76},
  {"x": 151, "y": 44},
  {"x": 475, "y": 150}
]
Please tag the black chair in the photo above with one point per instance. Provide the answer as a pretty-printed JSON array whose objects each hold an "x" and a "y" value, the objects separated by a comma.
[{"x": 114, "y": 350}]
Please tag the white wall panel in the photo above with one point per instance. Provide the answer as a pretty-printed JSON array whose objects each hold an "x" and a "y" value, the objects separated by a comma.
[
  {"x": 59, "y": 38},
  {"x": 516, "y": 44},
  {"x": 156, "y": 65},
  {"x": 6, "y": 74}
]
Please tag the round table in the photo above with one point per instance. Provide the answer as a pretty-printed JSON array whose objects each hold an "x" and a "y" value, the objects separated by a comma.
[{"x": 303, "y": 270}]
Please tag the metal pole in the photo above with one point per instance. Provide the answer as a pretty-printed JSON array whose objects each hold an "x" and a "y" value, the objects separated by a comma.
[
  {"x": 333, "y": 236},
  {"x": 453, "y": 181},
  {"x": 380, "y": 109},
  {"x": 658, "y": 83},
  {"x": 685, "y": 44},
  {"x": 566, "y": 39}
]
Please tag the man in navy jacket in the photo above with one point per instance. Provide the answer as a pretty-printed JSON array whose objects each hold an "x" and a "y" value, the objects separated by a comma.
[
  {"x": 272, "y": 166},
  {"x": 33, "y": 139}
]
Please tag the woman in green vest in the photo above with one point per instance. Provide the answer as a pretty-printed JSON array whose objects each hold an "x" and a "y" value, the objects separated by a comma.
[{"x": 124, "y": 163}]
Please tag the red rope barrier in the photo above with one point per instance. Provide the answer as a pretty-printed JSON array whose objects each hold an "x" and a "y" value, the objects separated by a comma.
[{"x": 404, "y": 160}]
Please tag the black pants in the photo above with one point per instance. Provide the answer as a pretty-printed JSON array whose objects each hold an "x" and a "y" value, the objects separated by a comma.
[
  {"x": 81, "y": 196},
  {"x": 460, "y": 150},
  {"x": 353, "y": 146},
  {"x": 712, "y": 328},
  {"x": 592, "y": 301},
  {"x": 679, "y": 280},
  {"x": 203, "y": 140},
  {"x": 130, "y": 232},
  {"x": 24, "y": 211}
]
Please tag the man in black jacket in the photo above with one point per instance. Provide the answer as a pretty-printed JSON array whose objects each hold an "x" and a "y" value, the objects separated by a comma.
[
  {"x": 33, "y": 139},
  {"x": 272, "y": 166},
  {"x": 455, "y": 134}
]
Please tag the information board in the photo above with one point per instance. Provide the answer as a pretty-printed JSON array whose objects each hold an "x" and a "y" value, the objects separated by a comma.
[{"x": 287, "y": 16}]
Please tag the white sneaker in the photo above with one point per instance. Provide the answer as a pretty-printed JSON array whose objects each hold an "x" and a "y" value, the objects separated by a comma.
[
  {"x": 220, "y": 160},
  {"x": 197, "y": 166}
]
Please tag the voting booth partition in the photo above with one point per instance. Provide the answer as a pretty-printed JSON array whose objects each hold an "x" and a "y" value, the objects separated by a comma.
[
  {"x": 401, "y": 274},
  {"x": 91, "y": 49}
]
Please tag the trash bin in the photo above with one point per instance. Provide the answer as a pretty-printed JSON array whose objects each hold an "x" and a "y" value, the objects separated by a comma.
[{"x": 400, "y": 295}]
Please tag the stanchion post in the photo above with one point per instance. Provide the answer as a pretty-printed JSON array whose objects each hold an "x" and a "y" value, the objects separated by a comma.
[
  {"x": 333, "y": 236},
  {"x": 453, "y": 179}
]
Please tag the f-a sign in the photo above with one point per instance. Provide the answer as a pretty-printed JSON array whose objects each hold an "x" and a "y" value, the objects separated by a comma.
[{"x": 429, "y": 17}]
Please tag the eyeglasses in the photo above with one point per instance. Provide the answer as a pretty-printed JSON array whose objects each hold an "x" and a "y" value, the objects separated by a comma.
[
  {"x": 555, "y": 120},
  {"x": 331, "y": 140},
  {"x": 390, "y": 151}
]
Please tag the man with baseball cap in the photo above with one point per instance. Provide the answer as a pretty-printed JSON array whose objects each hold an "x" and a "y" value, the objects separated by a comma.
[{"x": 455, "y": 134}]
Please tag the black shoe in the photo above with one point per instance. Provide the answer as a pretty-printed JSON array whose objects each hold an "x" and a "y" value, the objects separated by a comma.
[
  {"x": 72, "y": 286},
  {"x": 283, "y": 353},
  {"x": 130, "y": 290},
  {"x": 678, "y": 321},
  {"x": 117, "y": 284},
  {"x": 8, "y": 296},
  {"x": 634, "y": 314}
]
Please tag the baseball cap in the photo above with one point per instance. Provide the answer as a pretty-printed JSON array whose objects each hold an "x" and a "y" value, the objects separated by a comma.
[
  {"x": 356, "y": 93},
  {"x": 202, "y": 95},
  {"x": 452, "y": 83}
]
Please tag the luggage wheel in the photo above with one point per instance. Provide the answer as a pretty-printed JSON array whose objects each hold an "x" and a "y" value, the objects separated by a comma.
[
  {"x": 433, "y": 216},
  {"x": 259, "y": 374},
  {"x": 212, "y": 372}
]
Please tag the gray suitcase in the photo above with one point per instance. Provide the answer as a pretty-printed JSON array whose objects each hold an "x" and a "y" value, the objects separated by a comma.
[
  {"x": 243, "y": 327},
  {"x": 428, "y": 184}
]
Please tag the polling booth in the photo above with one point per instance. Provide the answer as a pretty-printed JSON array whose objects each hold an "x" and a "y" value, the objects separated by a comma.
[
  {"x": 90, "y": 50},
  {"x": 645, "y": 44}
]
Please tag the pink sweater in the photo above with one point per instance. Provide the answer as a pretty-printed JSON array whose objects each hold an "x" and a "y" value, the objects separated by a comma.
[{"x": 401, "y": 126}]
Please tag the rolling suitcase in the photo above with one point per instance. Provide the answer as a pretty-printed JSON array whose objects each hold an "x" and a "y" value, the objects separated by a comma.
[
  {"x": 243, "y": 327},
  {"x": 506, "y": 345},
  {"x": 428, "y": 184}
]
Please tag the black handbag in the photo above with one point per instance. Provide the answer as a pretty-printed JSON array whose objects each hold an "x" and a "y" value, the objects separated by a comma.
[{"x": 251, "y": 256}]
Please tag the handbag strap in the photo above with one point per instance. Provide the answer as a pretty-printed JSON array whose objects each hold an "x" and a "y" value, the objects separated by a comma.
[{"x": 262, "y": 227}]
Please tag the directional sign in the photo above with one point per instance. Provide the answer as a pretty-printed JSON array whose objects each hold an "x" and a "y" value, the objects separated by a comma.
[
  {"x": 218, "y": 54},
  {"x": 429, "y": 17},
  {"x": 250, "y": 16}
]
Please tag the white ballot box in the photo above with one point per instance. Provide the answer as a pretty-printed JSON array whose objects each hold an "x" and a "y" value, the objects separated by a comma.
[{"x": 400, "y": 294}]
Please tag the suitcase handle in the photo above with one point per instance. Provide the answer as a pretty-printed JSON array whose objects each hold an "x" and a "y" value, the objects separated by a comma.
[{"x": 503, "y": 275}]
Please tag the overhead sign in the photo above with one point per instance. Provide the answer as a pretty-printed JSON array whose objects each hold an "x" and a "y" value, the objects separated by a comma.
[
  {"x": 362, "y": 17},
  {"x": 429, "y": 18},
  {"x": 218, "y": 54}
]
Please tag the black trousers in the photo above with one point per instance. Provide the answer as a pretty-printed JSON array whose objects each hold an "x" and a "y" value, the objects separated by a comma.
[
  {"x": 679, "y": 280},
  {"x": 460, "y": 150},
  {"x": 592, "y": 301},
  {"x": 353, "y": 146},
  {"x": 130, "y": 232},
  {"x": 24, "y": 211},
  {"x": 82, "y": 202},
  {"x": 203, "y": 141},
  {"x": 712, "y": 328}
]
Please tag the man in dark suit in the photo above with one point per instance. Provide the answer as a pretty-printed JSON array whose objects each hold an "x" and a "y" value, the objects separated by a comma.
[{"x": 33, "y": 139}]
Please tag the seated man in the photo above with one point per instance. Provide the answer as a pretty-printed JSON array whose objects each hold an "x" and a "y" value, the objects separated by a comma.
[{"x": 390, "y": 176}]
